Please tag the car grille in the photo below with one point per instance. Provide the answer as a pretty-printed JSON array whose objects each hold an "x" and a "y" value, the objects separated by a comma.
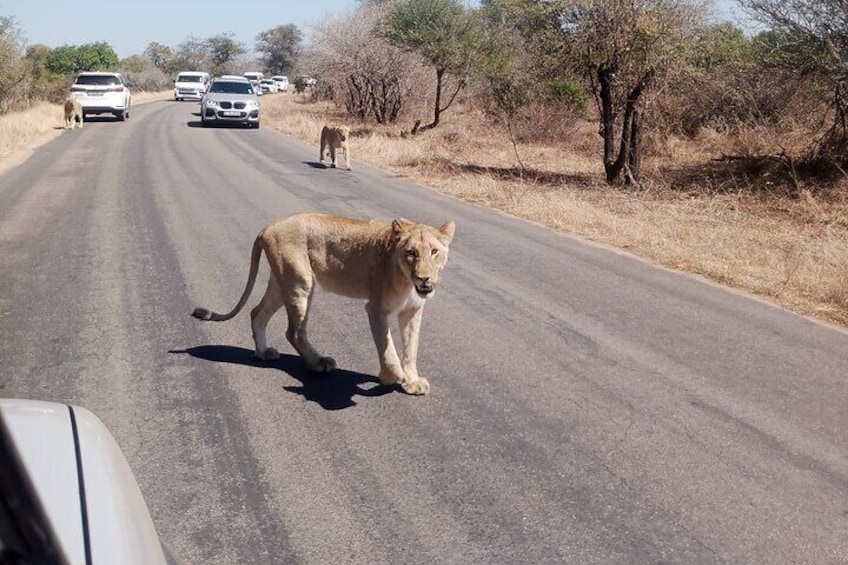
[{"x": 236, "y": 105}]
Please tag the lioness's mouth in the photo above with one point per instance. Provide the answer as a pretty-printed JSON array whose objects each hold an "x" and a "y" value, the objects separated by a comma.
[{"x": 424, "y": 291}]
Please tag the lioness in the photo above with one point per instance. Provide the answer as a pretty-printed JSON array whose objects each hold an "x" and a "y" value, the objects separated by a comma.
[
  {"x": 394, "y": 267},
  {"x": 335, "y": 137},
  {"x": 73, "y": 113}
]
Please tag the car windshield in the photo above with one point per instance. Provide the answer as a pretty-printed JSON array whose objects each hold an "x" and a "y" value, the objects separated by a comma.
[
  {"x": 231, "y": 87},
  {"x": 103, "y": 80},
  {"x": 188, "y": 78}
]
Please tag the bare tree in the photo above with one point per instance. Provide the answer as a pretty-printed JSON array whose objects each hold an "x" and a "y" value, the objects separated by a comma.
[
  {"x": 13, "y": 67},
  {"x": 374, "y": 78}
]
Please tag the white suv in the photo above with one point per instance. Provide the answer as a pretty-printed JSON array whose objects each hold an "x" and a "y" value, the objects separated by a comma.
[{"x": 102, "y": 93}]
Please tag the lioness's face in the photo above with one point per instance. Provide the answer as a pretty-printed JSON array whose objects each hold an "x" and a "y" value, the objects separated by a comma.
[
  {"x": 422, "y": 252},
  {"x": 344, "y": 133}
]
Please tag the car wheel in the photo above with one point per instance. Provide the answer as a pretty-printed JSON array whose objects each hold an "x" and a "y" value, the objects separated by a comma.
[{"x": 121, "y": 116}]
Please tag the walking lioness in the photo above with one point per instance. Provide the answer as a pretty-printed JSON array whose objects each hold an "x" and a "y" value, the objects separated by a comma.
[
  {"x": 394, "y": 267},
  {"x": 73, "y": 113},
  {"x": 332, "y": 138}
]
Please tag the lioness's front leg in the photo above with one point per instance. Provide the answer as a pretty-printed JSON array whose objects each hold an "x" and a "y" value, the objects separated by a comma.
[
  {"x": 391, "y": 371},
  {"x": 410, "y": 325}
]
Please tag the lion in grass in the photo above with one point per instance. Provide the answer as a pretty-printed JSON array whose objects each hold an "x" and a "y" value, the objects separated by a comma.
[
  {"x": 394, "y": 267},
  {"x": 332, "y": 138},
  {"x": 73, "y": 113}
]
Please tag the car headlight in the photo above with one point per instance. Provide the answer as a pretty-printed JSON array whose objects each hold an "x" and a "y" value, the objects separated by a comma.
[
  {"x": 253, "y": 103},
  {"x": 210, "y": 102}
]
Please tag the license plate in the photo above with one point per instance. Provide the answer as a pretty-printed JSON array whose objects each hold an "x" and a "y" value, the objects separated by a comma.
[
  {"x": 95, "y": 93},
  {"x": 231, "y": 114}
]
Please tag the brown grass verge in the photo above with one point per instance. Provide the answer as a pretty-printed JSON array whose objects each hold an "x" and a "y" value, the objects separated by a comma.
[
  {"x": 792, "y": 250},
  {"x": 43, "y": 121}
]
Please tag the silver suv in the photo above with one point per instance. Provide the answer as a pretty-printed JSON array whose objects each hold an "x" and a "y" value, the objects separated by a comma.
[
  {"x": 230, "y": 100},
  {"x": 102, "y": 93}
]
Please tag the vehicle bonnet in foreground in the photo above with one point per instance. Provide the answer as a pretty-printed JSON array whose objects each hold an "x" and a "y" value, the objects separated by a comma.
[{"x": 83, "y": 483}]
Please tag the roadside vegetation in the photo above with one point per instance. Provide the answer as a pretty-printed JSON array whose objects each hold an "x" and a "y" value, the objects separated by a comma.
[{"x": 650, "y": 126}]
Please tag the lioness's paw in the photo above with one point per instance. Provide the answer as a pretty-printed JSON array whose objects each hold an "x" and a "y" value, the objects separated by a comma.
[
  {"x": 325, "y": 365},
  {"x": 270, "y": 354},
  {"x": 417, "y": 386},
  {"x": 389, "y": 377}
]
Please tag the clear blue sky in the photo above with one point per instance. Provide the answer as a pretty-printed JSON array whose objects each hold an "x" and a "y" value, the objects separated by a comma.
[{"x": 130, "y": 25}]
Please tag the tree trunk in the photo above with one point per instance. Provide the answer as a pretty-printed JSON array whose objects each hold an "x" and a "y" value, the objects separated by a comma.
[
  {"x": 437, "y": 111},
  {"x": 626, "y": 163},
  {"x": 611, "y": 167}
]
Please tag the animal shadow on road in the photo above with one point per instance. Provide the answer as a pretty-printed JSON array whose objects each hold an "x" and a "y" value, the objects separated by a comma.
[{"x": 332, "y": 391}]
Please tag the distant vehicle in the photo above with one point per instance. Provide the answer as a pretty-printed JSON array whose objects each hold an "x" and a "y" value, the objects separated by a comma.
[
  {"x": 102, "y": 93},
  {"x": 310, "y": 81},
  {"x": 255, "y": 77},
  {"x": 268, "y": 86},
  {"x": 68, "y": 494},
  {"x": 230, "y": 100},
  {"x": 282, "y": 82},
  {"x": 190, "y": 84}
]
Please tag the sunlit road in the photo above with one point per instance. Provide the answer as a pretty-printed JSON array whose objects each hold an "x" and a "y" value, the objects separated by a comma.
[{"x": 586, "y": 407}]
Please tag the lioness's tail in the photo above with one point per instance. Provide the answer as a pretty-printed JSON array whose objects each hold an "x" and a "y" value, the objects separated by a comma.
[{"x": 206, "y": 314}]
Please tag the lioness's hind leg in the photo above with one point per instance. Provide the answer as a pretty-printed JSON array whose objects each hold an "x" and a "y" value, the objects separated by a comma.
[
  {"x": 259, "y": 318},
  {"x": 297, "y": 307}
]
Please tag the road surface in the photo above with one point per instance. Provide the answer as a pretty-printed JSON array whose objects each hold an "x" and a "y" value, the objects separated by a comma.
[{"x": 586, "y": 407}]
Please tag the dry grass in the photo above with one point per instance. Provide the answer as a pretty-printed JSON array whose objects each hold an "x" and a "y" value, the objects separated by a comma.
[
  {"x": 791, "y": 250},
  {"x": 22, "y": 130}
]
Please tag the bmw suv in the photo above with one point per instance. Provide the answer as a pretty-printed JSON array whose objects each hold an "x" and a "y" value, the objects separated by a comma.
[
  {"x": 230, "y": 100},
  {"x": 102, "y": 93}
]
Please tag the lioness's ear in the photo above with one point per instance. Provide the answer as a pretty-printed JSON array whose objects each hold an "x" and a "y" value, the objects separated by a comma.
[
  {"x": 401, "y": 226},
  {"x": 447, "y": 230}
]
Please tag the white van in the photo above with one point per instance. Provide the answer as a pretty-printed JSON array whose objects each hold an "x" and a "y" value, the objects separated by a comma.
[
  {"x": 282, "y": 82},
  {"x": 191, "y": 84},
  {"x": 255, "y": 78}
]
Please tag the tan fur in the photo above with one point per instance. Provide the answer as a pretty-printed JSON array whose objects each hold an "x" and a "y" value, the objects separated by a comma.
[
  {"x": 395, "y": 268},
  {"x": 73, "y": 113},
  {"x": 332, "y": 138}
]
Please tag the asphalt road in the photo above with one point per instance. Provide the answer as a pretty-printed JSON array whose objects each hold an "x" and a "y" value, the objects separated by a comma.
[{"x": 586, "y": 407}]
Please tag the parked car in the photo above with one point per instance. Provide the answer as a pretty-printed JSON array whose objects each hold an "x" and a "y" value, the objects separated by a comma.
[
  {"x": 255, "y": 78},
  {"x": 282, "y": 82},
  {"x": 230, "y": 100},
  {"x": 190, "y": 85},
  {"x": 102, "y": 93},
  {"x": 268, "y": 86},
  {"x": 67, "y": 493}
]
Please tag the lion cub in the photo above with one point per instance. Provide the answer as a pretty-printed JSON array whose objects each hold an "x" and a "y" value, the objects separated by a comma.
[
  {"x": 73, "y": 113},
  {"x": 394, "y": 267},
  {"x": 335, "y": 137}
]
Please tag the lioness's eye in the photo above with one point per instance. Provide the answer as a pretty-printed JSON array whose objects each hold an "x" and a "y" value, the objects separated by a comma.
[
  {"x": 434, "y": 251},
  {"x": 411, "y": 253}
]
